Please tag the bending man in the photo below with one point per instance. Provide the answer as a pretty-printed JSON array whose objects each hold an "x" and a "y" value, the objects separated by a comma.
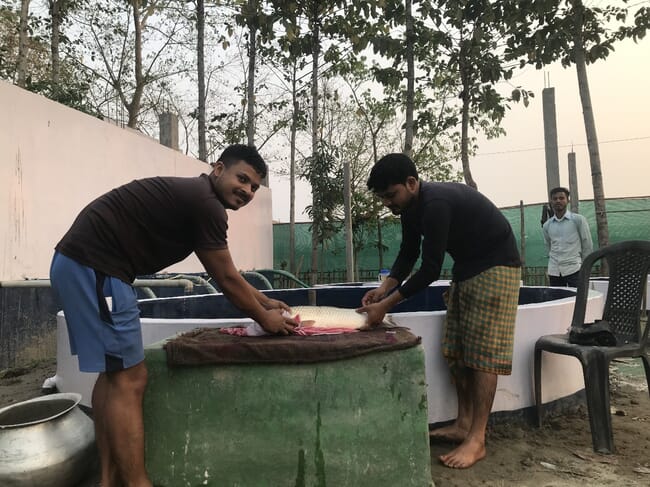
[
  {"x": 141, "y": 228},
  {"x": 483, "y": 296}
]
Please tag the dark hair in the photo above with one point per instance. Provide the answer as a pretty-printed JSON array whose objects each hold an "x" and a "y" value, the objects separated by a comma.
[
  {"x": 240, "y": 152},
  {"x": 391, "y": 169},
  {"x": 559, "y": 189}
]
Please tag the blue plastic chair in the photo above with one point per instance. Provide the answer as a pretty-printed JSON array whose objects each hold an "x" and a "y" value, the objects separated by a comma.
[{"x": 629, "y": 264}]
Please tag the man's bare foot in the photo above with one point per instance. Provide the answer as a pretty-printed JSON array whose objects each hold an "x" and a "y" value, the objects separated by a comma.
[
  {"x": 465, "y": 455},
  {"x": 452, "y": 433}
]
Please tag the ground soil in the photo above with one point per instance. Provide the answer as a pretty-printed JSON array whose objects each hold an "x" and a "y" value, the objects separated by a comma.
[{"x": 557, "y": 455}]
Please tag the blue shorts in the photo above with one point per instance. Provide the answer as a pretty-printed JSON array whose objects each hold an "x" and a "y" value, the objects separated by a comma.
[{"x": 104, "y": 340}]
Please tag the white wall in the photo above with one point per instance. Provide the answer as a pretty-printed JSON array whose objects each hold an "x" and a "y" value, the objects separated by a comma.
[{"x": 54, "y": 160}]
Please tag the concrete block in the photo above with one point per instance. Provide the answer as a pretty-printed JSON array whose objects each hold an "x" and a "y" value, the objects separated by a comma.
[{"x": 357, "y": 422}]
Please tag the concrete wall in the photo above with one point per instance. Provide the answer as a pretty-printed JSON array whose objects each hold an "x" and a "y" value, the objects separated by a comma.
[{"x": 54, "y": 160}]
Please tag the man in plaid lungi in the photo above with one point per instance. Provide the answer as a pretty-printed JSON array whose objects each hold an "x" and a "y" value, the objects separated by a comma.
[{"x": 454, "y": 218}]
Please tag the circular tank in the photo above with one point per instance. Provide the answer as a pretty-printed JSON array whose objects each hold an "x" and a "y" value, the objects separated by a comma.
[{"x": 541, "y": 311}]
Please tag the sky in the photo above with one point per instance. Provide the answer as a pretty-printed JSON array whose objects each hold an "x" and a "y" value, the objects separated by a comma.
[{"x": 512, "y": 168}]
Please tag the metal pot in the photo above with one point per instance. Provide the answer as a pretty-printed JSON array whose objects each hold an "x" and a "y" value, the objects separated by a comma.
[{"x": 47, "y": 441}]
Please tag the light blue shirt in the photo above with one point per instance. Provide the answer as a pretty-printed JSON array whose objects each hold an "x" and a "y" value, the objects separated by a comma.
[{"x": 568, "y": 241}]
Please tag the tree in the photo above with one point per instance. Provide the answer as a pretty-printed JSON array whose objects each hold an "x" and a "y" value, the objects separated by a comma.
[
  {"x": 288, "y": 57},
  {"x": 473, "y": 39},
  {"x": 323, "y": 173},
  {"x": 328, "y": 20},
  {"x": 200, "y": 71},
  {"x": 573, "y": 33},
  {"x": 59, "y": 11},
  {"x": 258, "y": 24},
  {"x": 129, "y": 49},
  {"x": 70, "y": 85},
  {"x": 21, "y": 67}
]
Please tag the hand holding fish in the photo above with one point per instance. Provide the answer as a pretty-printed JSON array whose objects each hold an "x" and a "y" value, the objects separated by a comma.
[
  {"x": 373, "y": 296},
  {"x": 377, "y": 294},
  {"x": 375, "y": 314},
  {"x": 377, "y": 302},
  {"x": 277, "y": 323},
  {"x": 276, "y": 304}
]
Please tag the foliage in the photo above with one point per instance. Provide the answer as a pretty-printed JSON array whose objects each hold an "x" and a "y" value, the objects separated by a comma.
[
  {"x": 544, "y": 30},
  {"x": 577, "y": 34},
  {"x": 323, "y": 172},
  {"x": 74, "y": 85}
]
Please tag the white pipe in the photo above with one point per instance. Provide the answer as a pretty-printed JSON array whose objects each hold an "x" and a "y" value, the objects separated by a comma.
[
  {"x": 33, "y": 283},
  {"x": 26, "y": 283}
]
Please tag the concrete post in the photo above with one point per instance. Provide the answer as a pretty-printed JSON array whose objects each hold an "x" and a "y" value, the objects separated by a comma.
[
  {"x": 168, "y": 129},
  {"x": 550, "y": 140}
]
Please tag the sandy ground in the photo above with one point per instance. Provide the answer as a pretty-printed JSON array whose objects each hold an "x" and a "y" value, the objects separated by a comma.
[{"x": 558, "y": 454}]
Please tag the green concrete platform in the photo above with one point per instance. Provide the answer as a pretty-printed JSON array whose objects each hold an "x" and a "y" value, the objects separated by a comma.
[{"x": 357, "y": 422}]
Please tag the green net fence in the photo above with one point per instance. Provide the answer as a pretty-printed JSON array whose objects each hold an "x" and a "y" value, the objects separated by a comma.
[{"x": 628, "y": 219}]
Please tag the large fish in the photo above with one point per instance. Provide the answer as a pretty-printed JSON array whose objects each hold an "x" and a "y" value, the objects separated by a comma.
[
  {"x": 315, "y": 320},
  {"x": 332, "y": 317}
]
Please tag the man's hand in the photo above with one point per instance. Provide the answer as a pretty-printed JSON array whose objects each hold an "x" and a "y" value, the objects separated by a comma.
[
  {"x": 373, "y": 296},
  {"x": 277, "y": 323},
  {"x": 276, "y": 304},
  {"x": 375, "y": 314},
  {"x": 377, "y": 302}
]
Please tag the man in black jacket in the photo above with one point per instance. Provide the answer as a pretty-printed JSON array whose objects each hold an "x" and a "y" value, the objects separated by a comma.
[{"x": 483, "y": 296}]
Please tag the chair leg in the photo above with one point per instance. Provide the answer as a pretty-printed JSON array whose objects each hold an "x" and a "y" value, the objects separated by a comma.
[
  {"x": 596, "y": 375},
  {"x": 538, "y": 386},
  {"x": 646, "y": 366}
]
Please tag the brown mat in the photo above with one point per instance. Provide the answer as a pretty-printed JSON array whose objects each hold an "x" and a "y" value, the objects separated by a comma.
[{"x": 208, "y": 346}]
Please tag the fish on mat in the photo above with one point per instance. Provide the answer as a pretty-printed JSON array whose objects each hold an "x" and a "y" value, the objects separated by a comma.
[
  {"x": 316, "y": 320},
  {"x": 332, "y": 317}
]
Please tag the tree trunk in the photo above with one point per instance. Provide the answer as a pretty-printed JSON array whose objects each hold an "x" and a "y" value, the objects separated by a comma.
[
  {"x": 56, "y": 14},
  {"x": 590, "y": 130},
  {"x": 133, "y": 108},
  {"x": 464, "y": 134},
  {"x": 250, "y": 89},
  {"x": 410, "y": 80},
  {"x": 315, "y": 28},
  {"x": 380, "y": 244},
  {"x": 349, "y": 240},
  {"x": 292, "y": 170},
  {"x": 200, "y": 68},
  {"x": 23, "y": 48}
]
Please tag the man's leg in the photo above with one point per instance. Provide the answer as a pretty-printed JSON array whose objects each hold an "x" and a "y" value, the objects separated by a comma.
[
  {"x": 557, "y": 281},
  {"x": 452, "y": 350},
  {"x": 109, "y": 475},
  {"x": 108, "y": 342},
  {"x": 572, "y": 279},
  {"x": 487, "y": 308},
  {"x": 123, "y": 423},
  {"x": 459, "y": 429},
  {"x": 482, "y": 387}
]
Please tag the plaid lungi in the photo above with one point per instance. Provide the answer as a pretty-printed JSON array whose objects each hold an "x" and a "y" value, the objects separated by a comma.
[{"x": 480, "y": 321}]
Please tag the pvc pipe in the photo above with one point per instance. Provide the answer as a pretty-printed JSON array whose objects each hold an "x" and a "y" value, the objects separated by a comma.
[{"x": 37, "y": 283}]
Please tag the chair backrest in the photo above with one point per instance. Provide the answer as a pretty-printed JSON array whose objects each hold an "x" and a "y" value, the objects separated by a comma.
[
  {"x": 257, "y": 280},
  {"x": 629, "y": 264}
]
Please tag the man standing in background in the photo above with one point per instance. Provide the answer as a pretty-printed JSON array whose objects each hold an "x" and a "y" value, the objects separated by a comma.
[{"x": 567, "y": 239}]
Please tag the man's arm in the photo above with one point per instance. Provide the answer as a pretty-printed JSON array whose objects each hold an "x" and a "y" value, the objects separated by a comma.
[
  {"x": 547, "y": 238},
  {"x": 436, "y": 224},
  {"x": 585, "y": 238},
  {"x": 266, "y": 302},
  {"x": 219, "y": 264}
]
